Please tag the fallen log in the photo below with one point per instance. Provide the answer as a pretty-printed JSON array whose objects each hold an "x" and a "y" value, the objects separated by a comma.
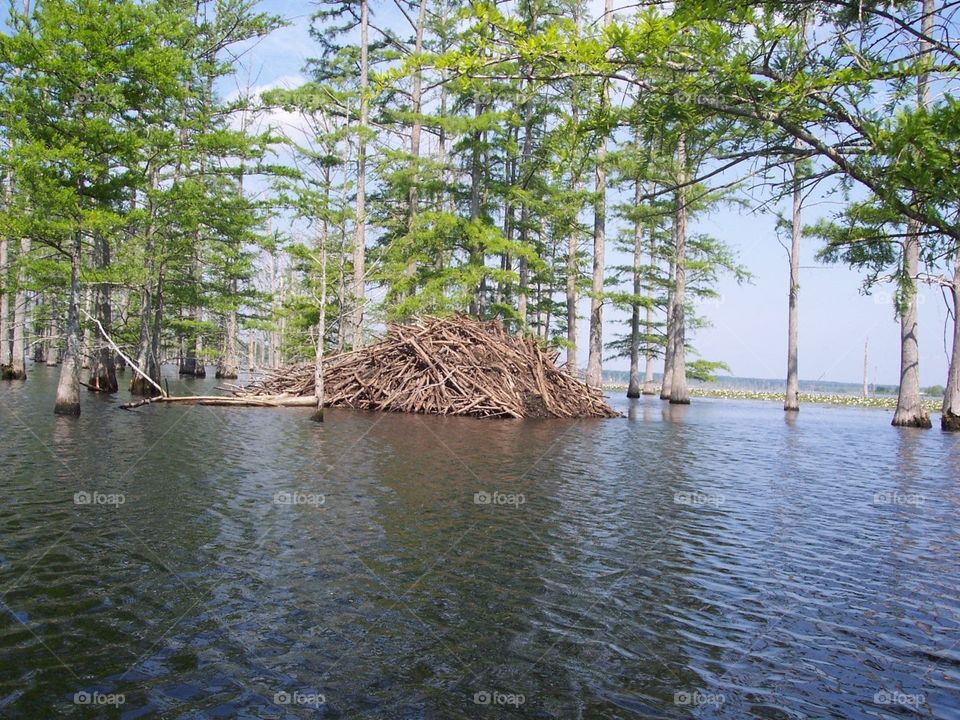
[{"x": 225, "y": 401}]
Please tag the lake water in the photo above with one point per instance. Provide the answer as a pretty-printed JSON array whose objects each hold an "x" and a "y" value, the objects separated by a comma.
[{"x": 713, "y": 561}]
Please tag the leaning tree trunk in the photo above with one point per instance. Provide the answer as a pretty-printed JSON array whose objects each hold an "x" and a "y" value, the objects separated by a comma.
[
  {"x": 68, "y": 388},
  {"x": 791, "y": 402},
  {"x": 950, "y": 420},
  {"x": 910, "y": 410},
  {"x": 679, "y": 393},
  {"x": 103, "y": 372}
]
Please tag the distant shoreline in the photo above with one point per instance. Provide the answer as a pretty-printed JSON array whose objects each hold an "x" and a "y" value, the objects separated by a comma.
[{"x": 877, "y": 402}]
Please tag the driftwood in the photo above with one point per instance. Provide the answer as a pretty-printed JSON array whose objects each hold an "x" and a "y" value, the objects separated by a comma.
[
  {"x": 451, "y": 366},
  {"x": 225, "y": 400}
]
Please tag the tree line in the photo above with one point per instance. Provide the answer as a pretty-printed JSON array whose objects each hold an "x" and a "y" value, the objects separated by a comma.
[{"x": 450, "y": 156}]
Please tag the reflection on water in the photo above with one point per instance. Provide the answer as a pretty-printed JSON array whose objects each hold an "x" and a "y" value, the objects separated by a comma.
[{"x": 715, "y": 560}]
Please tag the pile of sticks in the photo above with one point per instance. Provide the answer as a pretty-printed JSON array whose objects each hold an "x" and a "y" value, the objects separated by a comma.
[{"x": 444, "y": 366}]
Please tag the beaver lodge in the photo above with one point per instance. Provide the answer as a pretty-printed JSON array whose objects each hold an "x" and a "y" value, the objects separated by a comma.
[{"x": 442, "y": 366}]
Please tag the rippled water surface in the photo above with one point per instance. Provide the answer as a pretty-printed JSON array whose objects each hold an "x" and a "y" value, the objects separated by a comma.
[{"x": 709, "y": 561}]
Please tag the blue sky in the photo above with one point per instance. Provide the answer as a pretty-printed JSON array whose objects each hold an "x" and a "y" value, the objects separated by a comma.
[{"x": 749, "y": 322}]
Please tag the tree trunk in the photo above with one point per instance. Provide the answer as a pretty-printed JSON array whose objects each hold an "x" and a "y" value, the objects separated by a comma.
[
  {"x": 572, "y": 273},
  {"x": 360, "y": 236},
  {"x": 476, "y": 180},
  {"x": 18, "y": 353},
  {"x": 633, "y": 390},
  {"x": 648, "y": 387},
  {"x": 950, "y": 420},
  {"x": 416, "y": 100},
  {"x": 52, "y": 349},
  {"x": 200, "y": 367},
  {"x": 679, "y": 393},
  {"x": 229, "y": 368},
  {"x": 666, "y": 382},
  {"x": 68, "y": 388},
  {"x": 910, "y": 411},
  {"x": 321, "y": 328},
  {"x": 595, "y": 351},
  {"x": 524, "y": 176},
  {"x": 5, "y": 289},
  {"x": 103, "y": 372},
  {"x": 791, "y": 402}
]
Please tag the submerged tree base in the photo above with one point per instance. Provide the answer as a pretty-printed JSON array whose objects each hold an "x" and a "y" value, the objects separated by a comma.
[
  {"x": 104, "y": 382},
  {"x": 139, "y": 386},
  {"x": 8, "y": 373},
  {"x": 950, "y": 422},
  {"x": 67, "y": 407},
  {"x": 921, "y": 420}
]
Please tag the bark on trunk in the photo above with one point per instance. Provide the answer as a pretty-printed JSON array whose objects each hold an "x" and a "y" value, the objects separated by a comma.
[
  {"x": 103, "y": 372},
  {"x": 52, "y": 350},
  {"x": 229, "y": 367},
  {"x": 910, "y": 411},
  {"x": 572, "y": 273},
  {"x": 476, "y": 175},
  {"x": 415, "y": 132},
  {"x": 18, "y": 353},
  {"x": 679, "y": 393},
  {"x": 791, "y": 401},
  {"x": 595, "y": 352},
  {"x": 321, "y": 329},
  {"x": 950, "y": 420},
  {"x": 68, "y": 388},
  {"x": 633, "y": 389},
  {"x": 666, "y": 382},
  {"x": 200, "y": 367},
  {"x": 648, "y": 387},
  {"x": 360, "y": 235},
  {"x": 4, "y": 300}
]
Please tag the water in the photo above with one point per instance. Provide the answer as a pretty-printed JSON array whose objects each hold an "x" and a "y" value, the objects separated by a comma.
[{"x": 715, "y": 561}]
